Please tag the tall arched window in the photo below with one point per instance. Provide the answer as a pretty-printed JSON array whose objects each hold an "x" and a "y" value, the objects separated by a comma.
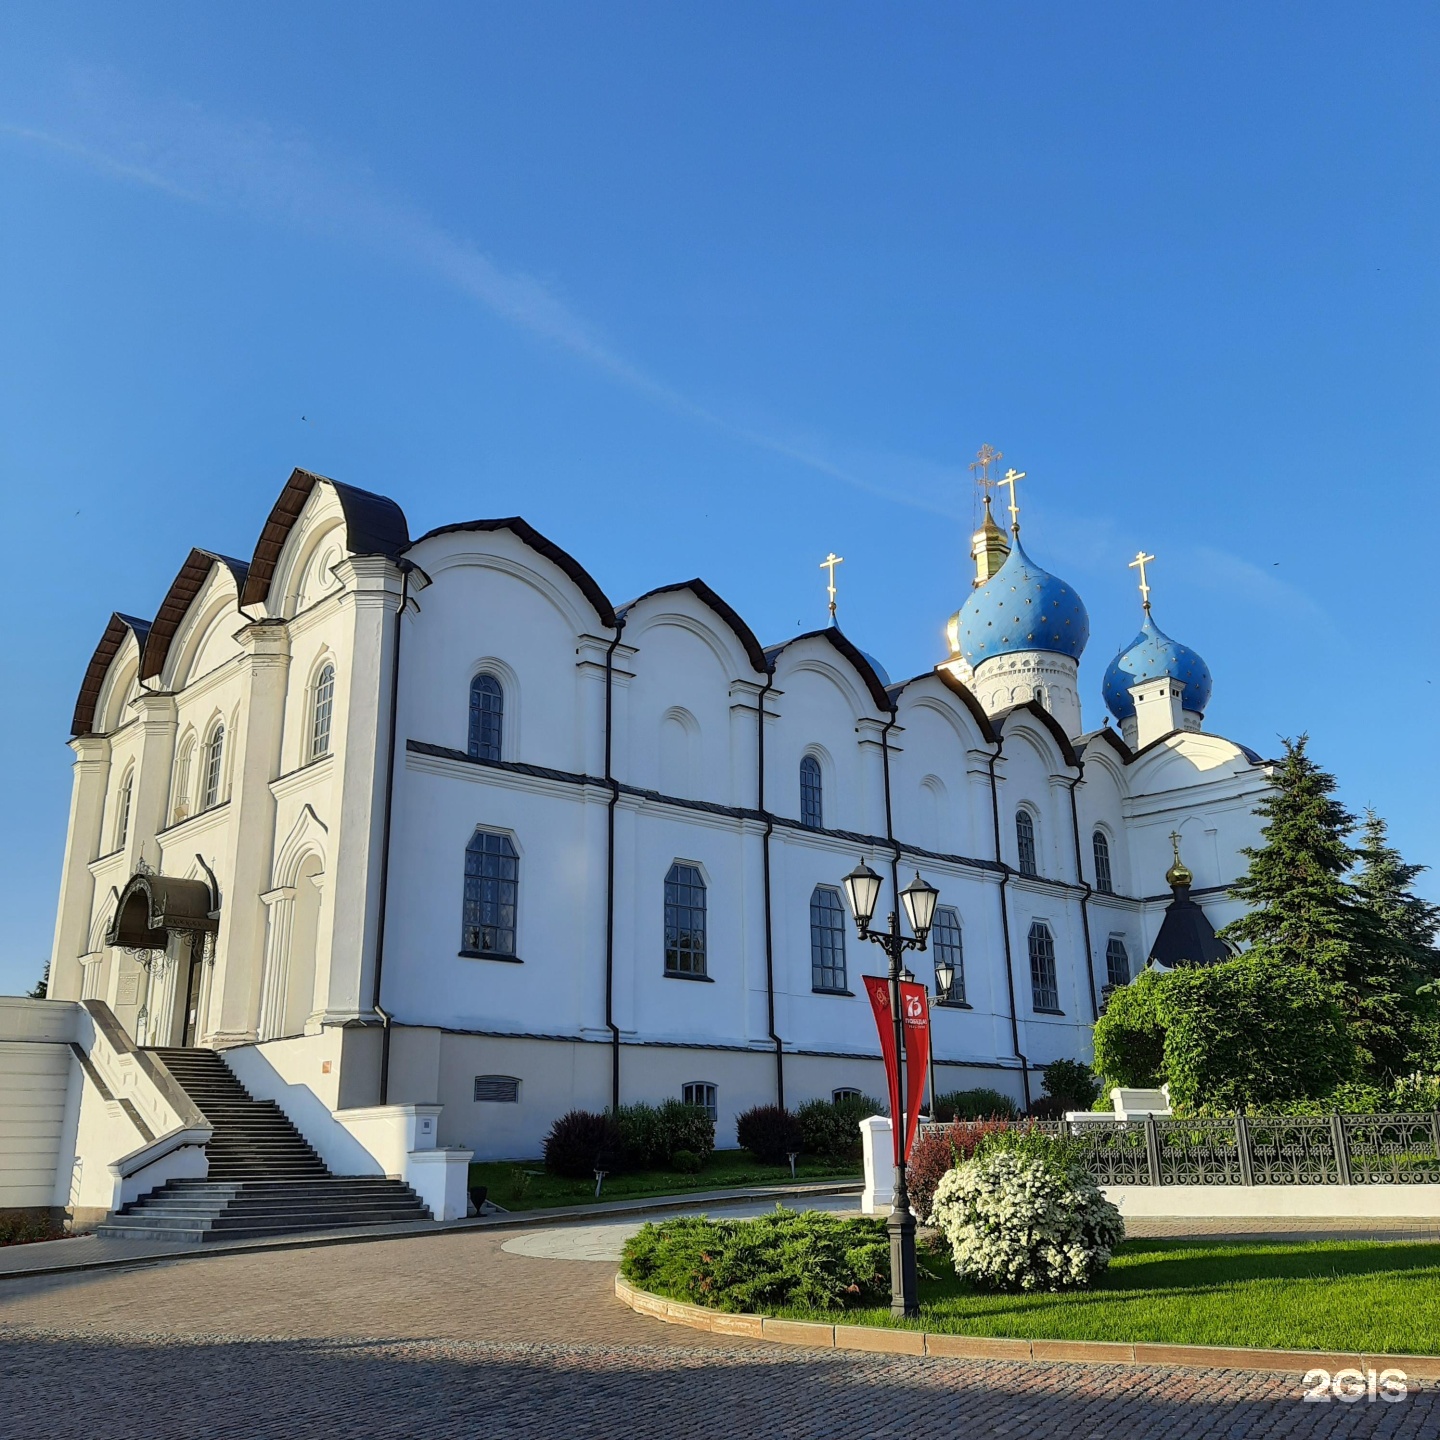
[
  {"x": 1044, "y": 986},
  {"x": 1117, "y": 962},
  {"x": 812, "y": 809},
  {"x": 948, "y": 945},
  {"x": 321, "y": 711},
  {"x": 492, "y": 886},
  {"x": 1025, "y": 842},
  {"x": 685, "y": 921},
  {"x": 1104, "y": 882},
  {"x": 122, "y": 809},
  {"x": 214, "y": 773},
  {"x": 827, "y": 940},
  {"x": 487, "y": 717}
]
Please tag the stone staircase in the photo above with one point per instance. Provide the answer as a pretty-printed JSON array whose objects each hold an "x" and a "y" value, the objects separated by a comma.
[{"x": 264, "y": 1178}]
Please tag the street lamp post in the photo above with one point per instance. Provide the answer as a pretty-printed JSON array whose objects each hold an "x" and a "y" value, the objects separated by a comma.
[{"x": 862, "y": 886}]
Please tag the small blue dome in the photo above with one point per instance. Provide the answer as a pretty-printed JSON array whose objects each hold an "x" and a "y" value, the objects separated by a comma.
[
  {"x": 1022, "y": 607},
  {"x": 877, "y": 667},
  {"x": 1151, "y": 654}
]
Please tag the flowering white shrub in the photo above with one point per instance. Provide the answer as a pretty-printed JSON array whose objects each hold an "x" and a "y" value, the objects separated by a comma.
[{"x": 1026, "y": 1221}]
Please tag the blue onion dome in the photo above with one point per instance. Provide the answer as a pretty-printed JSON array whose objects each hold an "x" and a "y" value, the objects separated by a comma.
[
  {"x": 1149, "y": 656},
  {"x": 877, "y": 667},
  {"x": 1022, "y": 607}
]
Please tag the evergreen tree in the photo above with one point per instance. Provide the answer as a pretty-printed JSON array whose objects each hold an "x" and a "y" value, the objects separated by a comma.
[
  {"x": 1305, "y": 911},
  {"x": 1397, "y": 937},
  {"x": 1385, "y": 889},
  {"x": 1302, "y": 911},
  {"x": 42, "y": 986}
]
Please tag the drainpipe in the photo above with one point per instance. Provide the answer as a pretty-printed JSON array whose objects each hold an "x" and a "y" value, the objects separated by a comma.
[
  {"x": 769, "y": 928},
  {"x": 1084, "y": 897},
  {"x": 1005, "y": 931},
  {"x": 614, "y": 785},
  {"x": 385, "y": 1018}
]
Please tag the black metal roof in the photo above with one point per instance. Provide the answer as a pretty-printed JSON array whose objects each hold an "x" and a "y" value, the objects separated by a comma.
[{"x": 1186, "y": 935}]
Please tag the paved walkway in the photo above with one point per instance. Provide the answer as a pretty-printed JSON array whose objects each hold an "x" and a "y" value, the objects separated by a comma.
[{"x": 459, "y": 1335}]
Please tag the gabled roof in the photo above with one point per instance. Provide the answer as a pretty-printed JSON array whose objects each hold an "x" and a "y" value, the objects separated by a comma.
[
  {"x": 961, "y": 692},
  {"x": 707, "y": 596},
  {"x": 183, "y": 590},
  {"x": 857, "y": 658},
  {"x": 1035, "y": 708},
  {"x": 110, "y": 642},
  {"x": 527, "y": 534},
  {"x": 1115, "y": 741},
  {"x": 374, "y": 525}
]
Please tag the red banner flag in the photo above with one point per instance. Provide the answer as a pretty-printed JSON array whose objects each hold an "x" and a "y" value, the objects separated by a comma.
[
  {"x": 915, "y": 1007},
  {"x": 879, "y": 992}
]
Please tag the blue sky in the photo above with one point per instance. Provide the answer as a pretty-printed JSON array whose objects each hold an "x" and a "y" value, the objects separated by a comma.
[{"x": 705, "y": 289}]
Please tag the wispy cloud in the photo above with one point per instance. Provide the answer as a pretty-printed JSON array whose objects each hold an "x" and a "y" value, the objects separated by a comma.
[{"x": 180, "y": 149}]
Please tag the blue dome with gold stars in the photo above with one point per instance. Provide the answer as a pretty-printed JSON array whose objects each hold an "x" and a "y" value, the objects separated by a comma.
[
  {"x": 1149, "y": 656},
  {"x": 1022, "y": 607}
]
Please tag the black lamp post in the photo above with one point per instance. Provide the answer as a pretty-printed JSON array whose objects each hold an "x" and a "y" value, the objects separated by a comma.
[{"x": 862, "y": 886}]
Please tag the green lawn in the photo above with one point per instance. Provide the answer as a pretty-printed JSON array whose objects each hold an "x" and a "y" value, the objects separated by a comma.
[
  {"x": 1323, "y": 1295},
  {"x": 524, "y": 1184}
]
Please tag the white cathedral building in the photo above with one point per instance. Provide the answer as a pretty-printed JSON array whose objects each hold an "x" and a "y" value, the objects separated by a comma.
[{"x": 435, "y": 824}]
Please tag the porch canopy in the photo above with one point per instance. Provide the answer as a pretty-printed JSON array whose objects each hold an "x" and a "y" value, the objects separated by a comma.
[{"x": 151, "y": 906}]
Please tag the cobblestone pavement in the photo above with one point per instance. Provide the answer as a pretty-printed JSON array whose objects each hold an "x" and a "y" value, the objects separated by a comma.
[{"x": 452, "y": 1336}]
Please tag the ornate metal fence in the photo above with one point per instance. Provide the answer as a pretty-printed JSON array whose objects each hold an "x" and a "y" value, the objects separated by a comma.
[{"x": 1258, "y": 1149}]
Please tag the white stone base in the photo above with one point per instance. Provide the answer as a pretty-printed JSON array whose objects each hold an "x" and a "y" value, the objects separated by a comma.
[{"x": 1281, "y": 1202}]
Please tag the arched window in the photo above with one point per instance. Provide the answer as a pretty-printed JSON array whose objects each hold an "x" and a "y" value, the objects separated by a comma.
[
  {"x": 827, "y": 940},
  {"x": 487, "y": 717},
  {"x": 122, "y": 809},
  {"x": 492, "y": 884},
  {"x": 685, "y": 922},
  {"x": 948, "y": 946},
  {"x": 703, "y": 1095},
  {"x": 1044, "y": 987},
  {"x": 214, "y": 774},
  {"x": 1117, "y": 962},
  {"x": 812, "y": 810},
  {"x": 1025, "y": 842},
  {"x": 1104, "y": 882},
  {"x": 321, "y": 711}
]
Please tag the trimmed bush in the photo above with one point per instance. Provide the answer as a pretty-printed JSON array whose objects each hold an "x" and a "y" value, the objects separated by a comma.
[
  {"x": 830, "y": 1129},
  {"x": 935, "y": 1155},
  {"x": 1071, "y": 1085},
  {"x": 1025, "y": 1214},
  {"x": 769, "y": 1133},
  {"x": 580, "y": 1143},
  {"x": 687, "y": 1162},
  {"x": 981, "y": 1103},
  {"x": 811, "y": 1259}
]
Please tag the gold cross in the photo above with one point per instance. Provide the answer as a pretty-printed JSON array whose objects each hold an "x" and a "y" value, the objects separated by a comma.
[
  {"x": 1009, "y": 478},
  {"x": 1140, "y": 561},
  {"x": 985, "y": 457},
  {"x": 829, "y": 563}
]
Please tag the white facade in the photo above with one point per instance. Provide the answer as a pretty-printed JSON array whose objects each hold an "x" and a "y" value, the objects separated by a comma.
[{"x": 629, "y": 742}]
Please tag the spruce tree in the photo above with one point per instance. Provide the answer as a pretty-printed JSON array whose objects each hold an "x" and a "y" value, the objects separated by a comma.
[
  {"x": 1396, "y": 935},
  {"x": 1301, "y": 909}
]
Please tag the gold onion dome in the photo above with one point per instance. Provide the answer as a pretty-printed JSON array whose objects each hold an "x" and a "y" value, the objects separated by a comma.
[{"x": 1179, "y": 873}]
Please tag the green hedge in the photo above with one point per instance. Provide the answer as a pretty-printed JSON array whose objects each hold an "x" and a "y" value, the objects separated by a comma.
[{"x": 811, "y": 1259}]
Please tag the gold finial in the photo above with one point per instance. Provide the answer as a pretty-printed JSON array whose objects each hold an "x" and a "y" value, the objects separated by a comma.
[
  {"x": 1178, "y": 874},
  {"x": 1009, "y": 478},
  {"x": 829, "y": 563},
  {"x": 1140, "y": 561}
]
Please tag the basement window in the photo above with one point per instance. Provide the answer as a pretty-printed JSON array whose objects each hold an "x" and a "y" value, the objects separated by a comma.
[{"x": 498, "y": 1089}]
